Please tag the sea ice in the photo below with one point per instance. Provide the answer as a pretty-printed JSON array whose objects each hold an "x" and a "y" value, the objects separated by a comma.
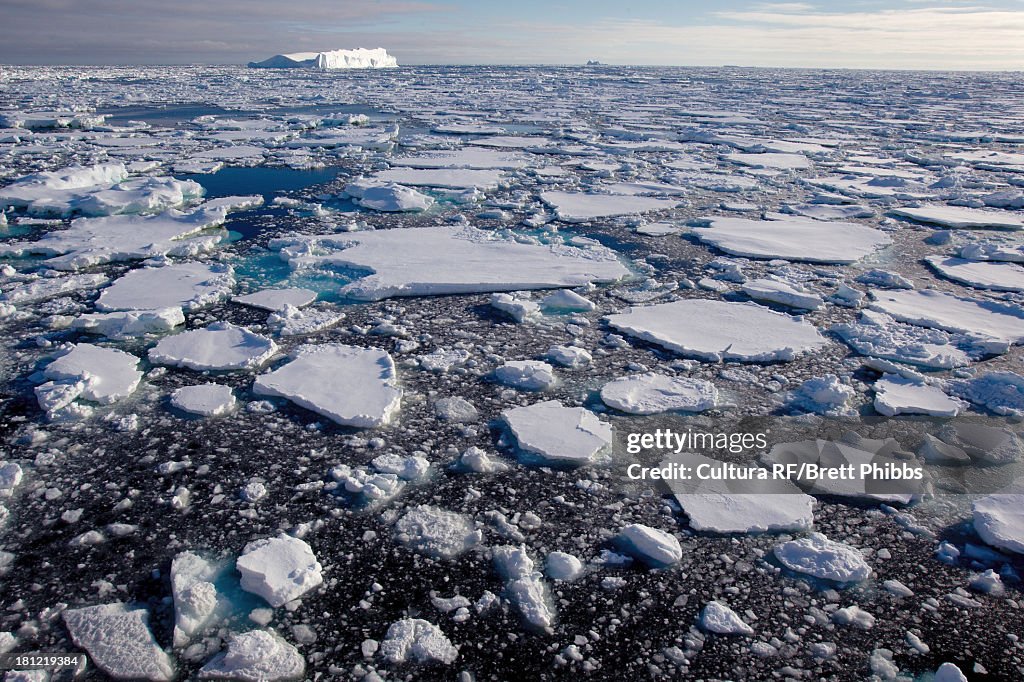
[
  {"x": 276, "y": 299},
  {"x": 820, "y": 557},
  {"x": 563, "y": 566},
  {"x": 417, "y": 640},
  {"x": 579, "y": 208},
  {"x": 715, "y": 330},
  {"x": 718, "y": 618},
  {"x": 129, "y": 324},
  {"x": 221, "y": 346},
  {"x": 558, "y": 434},
  {"x": 388, "y": 197},
  {"x": 451, "y": 178},
  {"x": 1001, "y": 392},
  {"x": 255, "y": 656},
  {"x": 56, "y": 192},
  {"x": 783, "y": 293},
  {"x": 950, "y": 313},
  {"x": 653, "y": 393},
  {"x": 195, "y": 597},
  {"x": 994, "y": 275},
  {"x": 961, "y": 218},
  {"x": 90, "y": 372},
  {"x": 898, "y": 395},
  {"x": 449, "y": 260},
  {"x": 437, "y": 533},
  {"x": 879, "y": 335},
  {"x": 189, "y": 286},
  {"x": 527, "y": 375},
  {"x": 44, "y": 288},
  {"x": 119, "y": 642},
  {"x": 748, "y": 512},
  {"x": 279, "y": 569},
  {"x": 207, "y": 400},
  {"x": 999, "y": 518},
  {"x": 792, "y": 238},
  {"x": 311, "y": 380},
  {"x": 652, "y": 546}
]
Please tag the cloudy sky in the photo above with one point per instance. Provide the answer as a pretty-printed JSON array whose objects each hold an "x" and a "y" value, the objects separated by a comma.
[{"x": 911, "y": 34}]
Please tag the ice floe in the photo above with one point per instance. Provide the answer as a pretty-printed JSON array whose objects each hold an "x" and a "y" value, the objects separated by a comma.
[
  {"x": 650, "y": 545},
  {"x": 999, "y": 518},
  {"x": 817, "y": 556},
  {"x": 748, "y": 512},
  {"x": 653, "y": 393},
  {"x": 220, "y": 346},
  {"x": 129, "y": 324},
  {"x": 195, "y": 596},
  {"x": 87, "y": 372},
  {"x": 718, "y": 618},
  {"x": 436, "y": 532},
  {"x": 951, "y": 313},
  {"x": 189, "y": 286},
  {"x": 279, "y": 569},
  {"x": 557, "y": 434},
  {"x": 255, "y": 656},
  {"x": 994, "y": 275},
  {"x": 792, "y": 238},
  {"x": 119, "y": 642},
  {"x": 528, "y": 375},
  {"x": 205, "y": 400},
  {"x": 310, "y": 380},
  {"x": 719, "y": 330},
  {"x": 575, "y": 207},
  {"x": 783, "y": 293},
  {"x": 898, "y": 395},
  {"x": 419, "y": 641},
  {"x": 388, "y": 197},
  {"x": 961, "y": 218},
  {"x": 277, "y": 299}
]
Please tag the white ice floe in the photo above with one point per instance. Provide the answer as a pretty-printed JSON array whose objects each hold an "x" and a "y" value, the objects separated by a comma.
[
  {"x": 388, "y": 197},
  {"x": 994, "y": 275},
  {"x": 312, "y": 377},
  {"x": 450, "y": 178},
  {"x": 792, "y": 238},
  {"x": 779, "y": 161},
  {"x": 563, "y": 566},
  {"x": 128, "y": 324},
  {"x": 255, "y": 656},
  {"x": 88, "y": 372},
  {"x": 718, "y": 618},
  {"x": 189, "y": 286},
  {"x": 658, "y": 229},
  {"x": 748, "y": 512},
  {"x": 290, "y": 321},
  {"x": 951, "y": 313},
  {"x": 654, "y": 393},
  {"x": 437, "y": 533},
  {"x": 279, "y": 569},
  {"x": 119, "y": 642},
  {"x": 652, "y": 546},
  {"x": 783, "y": 293},
  {"x": 999, "y": 518},
  {"x": 817, "y": 556},
  {"x": 823, "y": 395},
  {"x": 566, "y": 301},
  {"x": 959, "y": 217},
  {"x": 56, "y": 192},
  {"x": 524, "y": 586},
  {"x": 10, "y": 477},
  {"x": 467, "y": 157},
  {"x": 195, "y": 596},
  {"x": 418, "y": 641},
  {"x": 449, "y": 260},
  {"x": 95, "y": 241},
  {"x": 221, "y": 346},
  {"x": 1001, "y": 392},
  {"x": 276, "y": 299},
  {"x": 519, "y": 308},
  {"x": 879, "y": 335},
  {"x": 576, "y": 207},
  {"x": 558, "y": 434},
  {"x": 206, "y": 400},
  {"x": 949, "y": 672},
  {"x": 527, "y": 375},
  {"x": 568, "y": 356},
  {"x": 44, "y": 288},
  {"x": 898, "y": 395},
  {"x": 359, "y": 58},
  {"x": 719, "y": 330}
]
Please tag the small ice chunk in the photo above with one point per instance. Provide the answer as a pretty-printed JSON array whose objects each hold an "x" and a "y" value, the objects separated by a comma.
[
  {"x": 718, "y": 618},
  {"x": 119, "y": 642},
  {"x": 563, "y": 566},
  {"x": 949, "y": 672},
  {"x": 999, "y": 519},
  {"x": 565, "y": 301},
  {"x": 652, "y": 546},
  {"x": 207, "y": 400},
  {"x": 527, "y": 375},
  {"x": 820, "y": 557},
  {"x": 569, "y": 356},
  {"x": 195, "y": 597},
  {"x": 388, "y": 197},
  {"x": 654, "y": 393},
  {"x": 256, "y": 656},
  {"x": 824, "y": 395},
  {"x": 783, "y": 293},
  {"x": 279, "y": 569},
  {"x": 419, "y": 641},
  {"x": 276, "y": 299},
  {"x": 518, "y": 308},
  {"x": 853, "y": 615},
  {"x": 455, "y": 409}
]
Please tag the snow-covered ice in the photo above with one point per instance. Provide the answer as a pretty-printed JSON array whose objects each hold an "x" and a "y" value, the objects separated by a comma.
[
  {"x": 817, "y": 556},
  {"x": 650, "y": 545},
  {"x": 220, "y": 346},
  {"x": 718, "y": 618},
  {"x": 953, "y": 313},
  {"x": 993, "y": 275},
  {"x": 417, "y": 640},
  {"x": 88, "y": 372},
  {"x": 279, "y": 569},
  {"x": 748, "y": 512},
  {"x": 277, "y": 299},
  {"x": 999, "y": 518},
  {"x": 189, "y": 286},
  {"x": 961, "y": 218},
  {"x": 256, "y": 656},
  {"x": 792, "y": 238},
  {"x": 119, "y": 642},
  {"x": 436, "y": 532},
  {"x": 653, "y": 393},
  {"x": 898, "y": 395},
  {"x": 195, "y": 596},
  {"x": 558, "y": 434},
  {"x": 206, "y": 400},
  {"x": 574, "y": 207}
]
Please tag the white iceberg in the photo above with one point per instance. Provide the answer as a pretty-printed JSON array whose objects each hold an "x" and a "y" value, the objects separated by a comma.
[{"x": 359, "y": 58}]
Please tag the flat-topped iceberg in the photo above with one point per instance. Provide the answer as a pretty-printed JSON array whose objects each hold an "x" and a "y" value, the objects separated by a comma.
[{"x": 359, "y": 58}]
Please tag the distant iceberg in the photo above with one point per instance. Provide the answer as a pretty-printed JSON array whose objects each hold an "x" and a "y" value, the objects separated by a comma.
[{"x": 359, "y": 58}]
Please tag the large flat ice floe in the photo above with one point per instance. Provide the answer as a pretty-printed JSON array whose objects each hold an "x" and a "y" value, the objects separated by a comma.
[
  {"x": 898, "y": 395},
  {"x": 188, "y": 286},
  {"x": 653, "y": 393},
  {"x": 220, "y": 346},
  {"x": 95, "y": 241},
  {"x": 719, "y": 330},
  {"x": 959, "y": 217},
  {"x": 359, "y": 58},
  {"x": 793, "y": 238},
  {"x": 312, "y": 379},
  {"x": 994, "y": 275},
  {"x": 449, "y": 260},
  {"x": 577, "y": 207},
  {"x": 256, "y": 655},
  {"x": 557, "y": 434},
  {"x": 748, "y": 512},
  {"x": 279, "y": 569},
  {"x": 951, "y": 313},
  {"x": 88, "y": 372},
  {"x": 119, "y": 642}
]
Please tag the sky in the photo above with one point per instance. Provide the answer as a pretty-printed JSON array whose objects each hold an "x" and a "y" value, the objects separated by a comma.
[{"x": 876, "y": 34}]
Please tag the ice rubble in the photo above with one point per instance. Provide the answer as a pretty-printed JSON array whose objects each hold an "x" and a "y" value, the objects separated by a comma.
[
  {"x": 817, "y": 556},
  {"x": 993, "y": 275},
  {"x": 419, "y": 641},
  {"x": 653, "y": 393},
  {"x": 718, "y": 618},
  {"x": 716, "y": 330},
  {"x": 654, "y": 547},
  {"x": 359, "y": 58},
  {"x": 951, "y": 313},
  {"x": 557, "y": 434},
  {"x": 290, "y": 321},
  {"x": 1001, "y": 392},
  {"x": 279, "y": 569},
  {"x": 961, "y": 218},
  {"x": 573, "y": 207},
  {"x": 437, "y": 533},
  {"x": 311, "y": 378},
  {"x": 205, "y": 400},
  {"x": 256, "y": 656},
  {"x": 449, "y": 260},
  {"x": 898, "y": 395},
  {"x": 524, "y": 586},
  {"x": 95, "y": 241},
  {"x": 276, "y": 299},
  {"x": 43, "y": 288},
  {"x": 220, "y": 346},
  {"x": 55, "y": 192},
  {"x": 194, "y": 594},
  {"x": 792, "y": 238},
  {"x": 87, "y": 372},
  {"x": 189, "y": 286},
  {"x": 119, "y": 642}
]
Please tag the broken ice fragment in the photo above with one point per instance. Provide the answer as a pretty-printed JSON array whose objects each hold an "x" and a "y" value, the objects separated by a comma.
[
  {"x": 279, "y": 569},
  {"x": 558, "y": 434},
  {"x": 119, "y": 642}
]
